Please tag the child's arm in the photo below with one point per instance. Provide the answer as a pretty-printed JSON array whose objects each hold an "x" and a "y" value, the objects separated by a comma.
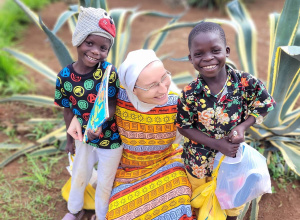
[
  {"x": 222, "y": 145},
  {"x": 240, "y": 130},
  {"x": 259, "y": 103},
  {"x": 186, "y": 112},
  {"x": 68, "y": 115}
]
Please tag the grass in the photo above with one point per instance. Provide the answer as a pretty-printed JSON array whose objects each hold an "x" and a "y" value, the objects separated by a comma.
[
  {"x": 280, "y": 172},
  {"x": 33, "y": 195},
  {"x": 13, "y": 21}
]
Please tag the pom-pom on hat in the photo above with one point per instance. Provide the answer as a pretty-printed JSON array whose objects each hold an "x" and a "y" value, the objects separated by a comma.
[{"x": 93, "y": 21}]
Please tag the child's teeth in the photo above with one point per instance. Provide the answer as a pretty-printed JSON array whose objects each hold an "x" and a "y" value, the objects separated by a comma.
[
  {"x": 92, "y": 58},
  {"x": 209, "y": 67}
]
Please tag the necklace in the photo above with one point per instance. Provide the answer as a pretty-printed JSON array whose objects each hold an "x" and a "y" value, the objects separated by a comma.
[{"x": 222, "y": 88}]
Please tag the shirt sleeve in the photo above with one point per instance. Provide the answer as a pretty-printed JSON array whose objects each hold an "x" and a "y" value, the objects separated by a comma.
[
  {"x": 60, "y": 97},
  {"x": 113, "y": 84},
  {"x": 258, "y": 98},
  {"x": 185, "y": 113}
]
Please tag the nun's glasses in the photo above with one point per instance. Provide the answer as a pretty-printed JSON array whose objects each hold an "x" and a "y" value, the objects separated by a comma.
[{"x": 164, "y": 79}]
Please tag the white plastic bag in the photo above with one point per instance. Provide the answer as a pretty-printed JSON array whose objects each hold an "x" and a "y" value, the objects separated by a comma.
[{"x": 243, "y": 178}]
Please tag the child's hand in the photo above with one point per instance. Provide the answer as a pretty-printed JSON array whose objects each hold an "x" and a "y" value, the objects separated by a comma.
[
  {"x": 93, "y": 135},
  {"x": 70, "y": 147},
  {"x": 75, "y": 129},
  {"x": 237, "y": 135},
  {"x": 227, "y": 148}
]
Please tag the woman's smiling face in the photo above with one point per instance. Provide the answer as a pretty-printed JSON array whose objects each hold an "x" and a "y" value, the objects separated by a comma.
[
  {"x": 208, "y": 54},
  {"x": 156, "y": 80}
]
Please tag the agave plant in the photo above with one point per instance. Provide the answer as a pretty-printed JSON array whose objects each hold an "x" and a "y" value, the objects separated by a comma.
[
  {"x": 281, "y": 127},
  {"x": 280, "y": 130},
  {"x": 56, "y": 140}
]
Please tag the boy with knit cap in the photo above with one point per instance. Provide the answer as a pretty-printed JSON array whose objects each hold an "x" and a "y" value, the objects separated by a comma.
[{"x": 76, "y": 89}]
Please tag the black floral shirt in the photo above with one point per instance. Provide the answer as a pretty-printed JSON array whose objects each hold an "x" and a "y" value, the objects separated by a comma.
[{"x": 198, "y": 108}]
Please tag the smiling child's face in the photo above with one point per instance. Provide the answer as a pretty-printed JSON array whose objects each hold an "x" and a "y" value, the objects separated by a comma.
[
  {"x": 208, "y": 54},
  {"x": 94, "y": 49}
]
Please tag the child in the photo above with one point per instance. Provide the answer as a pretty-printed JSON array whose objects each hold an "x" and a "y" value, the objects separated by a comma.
[
  {"x": 216, "y": 109},
  {"x": 76, "y": 89}
]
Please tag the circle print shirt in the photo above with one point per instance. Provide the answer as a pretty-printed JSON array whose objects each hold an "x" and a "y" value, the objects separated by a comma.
[{"x": 78, "y": 92}]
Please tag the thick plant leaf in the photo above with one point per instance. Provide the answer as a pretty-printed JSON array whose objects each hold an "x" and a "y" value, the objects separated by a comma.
[
  {"x": 6, "y": 146},
  {"x": 285, "y": 70},
  {"x": 45, "y": 151},
  {"x": 246, "y": 36},
  {"x": 122, "y": 39},
  {"x": 291, "y": 154},
  {"x": 243, "y": 213},
  {"x": 31, "y": 99},
  {"x": 59, "y": 48},
  {"x": 255, "y": 208},
  {"x": 183, "y": 78},
  {"x": 65, "y": 16},
  {"x": 258, "y": 133},
  {"x": 26, "y": 149},
  {"x": 285, "y": 35},
  {"x": 32, "y": 15},
  {"x": 33, "y": 63}
]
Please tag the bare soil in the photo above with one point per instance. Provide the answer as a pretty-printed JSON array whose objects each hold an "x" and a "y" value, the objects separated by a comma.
[{"x": 284, "y": 204}]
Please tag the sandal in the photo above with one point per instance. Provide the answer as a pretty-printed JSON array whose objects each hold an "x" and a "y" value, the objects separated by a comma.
[{"x": 70, "y": 216}]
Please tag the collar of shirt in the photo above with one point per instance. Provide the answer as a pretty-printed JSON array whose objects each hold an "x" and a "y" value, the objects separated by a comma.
[{"x": 200, "y": 84}]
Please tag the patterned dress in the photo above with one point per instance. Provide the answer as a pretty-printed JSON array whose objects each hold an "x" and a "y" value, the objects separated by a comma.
[{"x": 151, "y": 182}]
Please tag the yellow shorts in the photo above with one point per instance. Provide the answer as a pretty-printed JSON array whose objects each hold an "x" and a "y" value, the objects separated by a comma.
[{"x": 195, "y": 182}]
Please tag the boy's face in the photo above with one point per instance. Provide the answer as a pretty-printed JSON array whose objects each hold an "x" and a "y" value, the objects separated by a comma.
[
  {"x": 152, "y": 74},
  {"x": 93, "y": 50},
  {"x": 208, "y": 54}
]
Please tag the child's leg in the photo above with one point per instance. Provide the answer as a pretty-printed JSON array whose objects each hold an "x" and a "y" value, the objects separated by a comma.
[
  {"x": 84, "y": 160},
  {"x": 195, "y": 182},
  {"x": 231, "y": 213},
  {"x": 108, "y": 163}
]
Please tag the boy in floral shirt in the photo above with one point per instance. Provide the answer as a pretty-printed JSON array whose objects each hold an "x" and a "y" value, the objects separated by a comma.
[{"x": 216, "y": 109}]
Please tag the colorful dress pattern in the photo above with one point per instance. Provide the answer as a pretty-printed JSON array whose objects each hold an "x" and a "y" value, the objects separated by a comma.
[
  {"x": 151, "y": 182},
  {"x": 79, "y": 92},
  {"x": 216, "y": 117}
]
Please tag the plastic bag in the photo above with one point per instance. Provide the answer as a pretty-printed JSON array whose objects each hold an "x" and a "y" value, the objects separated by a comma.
[
  {"x": 89, "y": 193},
  {"x": 243, "y": 178},
  {"x": 205, "y": 199}
]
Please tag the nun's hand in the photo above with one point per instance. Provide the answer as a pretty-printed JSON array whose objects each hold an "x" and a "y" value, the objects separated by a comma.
[{"x": 75, "y": 129}]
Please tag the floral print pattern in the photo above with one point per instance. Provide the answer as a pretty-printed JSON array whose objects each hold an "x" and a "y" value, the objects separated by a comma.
[{"x": 216, "y": 117}]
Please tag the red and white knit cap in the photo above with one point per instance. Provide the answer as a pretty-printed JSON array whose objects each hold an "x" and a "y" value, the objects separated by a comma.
[{"x": 93, "y": 21}]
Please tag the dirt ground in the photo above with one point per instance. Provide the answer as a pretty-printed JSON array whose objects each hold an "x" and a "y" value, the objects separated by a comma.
[{"x": 284, "y": 204}]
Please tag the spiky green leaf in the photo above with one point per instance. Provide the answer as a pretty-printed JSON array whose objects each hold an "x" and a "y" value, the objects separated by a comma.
[
  {"x": 291, "y": 154},
  {"x": 33, "y": 63},
  {"x": 59, "y": 48},
  {"x": 246, "y": 35}
]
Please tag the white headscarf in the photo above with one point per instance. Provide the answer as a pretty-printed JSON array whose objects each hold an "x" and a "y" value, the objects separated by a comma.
[{"x": 130, "y": 70}]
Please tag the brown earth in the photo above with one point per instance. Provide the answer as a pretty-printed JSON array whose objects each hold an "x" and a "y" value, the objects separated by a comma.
[{"x": 284, "y": 204}]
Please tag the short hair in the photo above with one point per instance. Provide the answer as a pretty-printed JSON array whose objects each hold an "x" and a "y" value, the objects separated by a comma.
[{"x": 204, "y": 27}]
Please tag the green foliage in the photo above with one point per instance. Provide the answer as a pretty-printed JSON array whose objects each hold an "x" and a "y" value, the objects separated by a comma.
[
  {"x": 41, "y": 129},
  {"x": 31, "y": 197},
  {"x": 280, "y": 129},
  {"x": 210, "y": 4},
  {"x": 12, "y": 24}
]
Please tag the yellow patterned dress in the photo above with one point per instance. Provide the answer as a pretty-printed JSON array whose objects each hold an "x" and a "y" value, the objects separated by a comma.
[{"x": 151, "y": 182}]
